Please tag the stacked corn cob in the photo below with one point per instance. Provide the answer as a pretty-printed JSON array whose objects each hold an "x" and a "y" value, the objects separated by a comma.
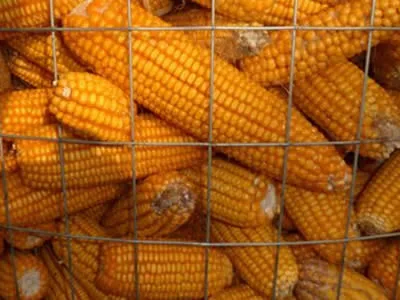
[{"x": 89, "y": 165}]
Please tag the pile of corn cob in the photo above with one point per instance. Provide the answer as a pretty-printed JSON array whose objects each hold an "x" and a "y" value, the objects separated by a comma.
[{"x": 77, "y": 193}]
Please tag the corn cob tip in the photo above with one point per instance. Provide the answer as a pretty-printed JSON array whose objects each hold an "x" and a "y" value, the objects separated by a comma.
[
  {"x": 270, "y": 202},
  {"x": 391, "y": 129},
  {"x": 175, "y": 194},
  {"x": 251, "y": 42},
  {"x": 30, "y": 283},
  {"x": 371, "y": 225}
]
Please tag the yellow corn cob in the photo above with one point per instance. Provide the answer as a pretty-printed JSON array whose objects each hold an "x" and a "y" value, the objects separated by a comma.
[
  {"x": 93, "y": 106},
  {"x": 301, "y": 252},
  {"x": 255, "y": 265},
  {"x": 32, "y": 277},
  {"x": 88, "y": 165},
  {"x": 60, "y": 285},
  {"x": 395, "y": 94},
  {"x": 277, "y": 12},
  {"x": 319, "y": 280},
  {"x": 158, "y": 7},
  {"x": 84, "y": 252},
  {"x": 5, "y": 75},
  {"x": 386, "y": 65},
  {"x": 31, "y": 207},
  {"x": 22, "y": 110},
  {"x": 229, "y": 44},
  {"x": 378, "y": 207},
  {"x": 25, "y": 14},
  {"x": 164, "y": 202},
  {"x": 243, "y": 110},
  {"x": 384, "y": 267},
  {"x": 238, "y": 196},
  {"x": 10, "y": 157},
  {"x": 193, "y": 230},
  {"x": 38, "y": 48},
  {"x": 317, "y": 49},
  {"x": 25, "y": 240},
  {"x": 96, "y": 212},
  {"x": 334, "y": 101},
  {"x": 321, "y": 216},
  {"x": 166, "y": 264},
  {"x": 30, "y": 72},
  {"x": 238, "y": 292}
]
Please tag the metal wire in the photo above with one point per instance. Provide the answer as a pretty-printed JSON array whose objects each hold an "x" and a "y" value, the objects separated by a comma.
[{"x": 209, "y": 145}]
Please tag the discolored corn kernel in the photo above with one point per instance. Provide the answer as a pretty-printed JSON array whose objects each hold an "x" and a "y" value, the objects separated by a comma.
[
  {"x": 172, "y": 80},
  {"x": 38, "y": 48},
  {"x": 317, "y": 49},
  {"x": 277, "y": 12},
  {"x": 27, "y": 206},
  {"x": 320, "y": 216},
  {"x": 32, "y": 276},
  {"x": 333, "y": 102},
  {"x": 164, "y": 202},
  {"x": 255, "y": 265},
  {"x": 228, "y": 44},
  {"x": 383, "y": 268},
  {"x": 89, "y": 165},
  {"x": 377, "y": 209},
  {"x": 238, "y": 196},
  {"x": 30, "y": 72},
  {"x": 23, "y": 110},
  {"x": 168, "y": 264}
]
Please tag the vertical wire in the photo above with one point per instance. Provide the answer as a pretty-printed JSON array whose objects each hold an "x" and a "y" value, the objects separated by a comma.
[
  {"x": 357, "y": 149},
  {"x": 287, "y": 148},
  {"x": 133, "y": 148},
  {"x": 61, "y": 154},
  {"x": 209, "y": 152},
  {"x": 10, "y": 232}
]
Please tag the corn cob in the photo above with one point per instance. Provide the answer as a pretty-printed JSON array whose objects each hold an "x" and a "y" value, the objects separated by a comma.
[
  {"x": 22, "y": 110},
  {"x": 96, "y": 212},
  {"x": 339, "y": 115},
  {"x": 238, "y": 292},
  {"x": 38, "y": 48},
  {"x": 377, "y": 208},
  {"x": 386, "y": 65},
  {"x": 321, "y": 216},
  {"x": 317, "y": 49},
  {"x": 164, "y": 202},
  {"x": 10, "y": 157},
  {"x": 395, "y": 94},
  {"x": 88, "y": 165},
  {"x": 93, "y": 106},
  {"x": 278, "y": 12},
  {"x": 318, "y": 280},
  {"x": 168, "y": 264},
  {"x": 32, "y": 277},
  {"x": 5, "y": 75},
  {"x": 383, "y": 268},
  {"x": 60, "y": 284},
  {"x": 301, "y": 252},
  {"x": 29, "y": 206},
  {"x": 25, "y": 240},
  {"x": 84, "y": 252},
  {"x": 184, "y": 101},
  {"x": 238, "y": 196},
  {"x": 231, "y": 45},
  {"x": 29, "y": 14},
  {"x": 255, "y": 265},
  {"x": 158, "y": 7},
  {"x": 30, "y": 72}
]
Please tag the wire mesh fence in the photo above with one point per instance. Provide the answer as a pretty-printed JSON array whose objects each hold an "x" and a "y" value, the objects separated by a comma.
[{"x": 208, "y": 144}]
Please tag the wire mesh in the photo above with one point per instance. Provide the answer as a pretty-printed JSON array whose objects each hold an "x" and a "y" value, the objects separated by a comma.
[{"x": 209, "y": 145}]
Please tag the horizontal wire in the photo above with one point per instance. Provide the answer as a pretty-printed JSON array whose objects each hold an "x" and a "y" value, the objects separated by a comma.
[
  {"x": 198, "y": 144},
  {"x": 202, "y": 28},
  {"x": 200, "y": 244}
]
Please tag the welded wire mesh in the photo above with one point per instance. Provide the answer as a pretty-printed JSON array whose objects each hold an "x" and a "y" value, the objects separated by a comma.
[{"x": 210, "y": 144}]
